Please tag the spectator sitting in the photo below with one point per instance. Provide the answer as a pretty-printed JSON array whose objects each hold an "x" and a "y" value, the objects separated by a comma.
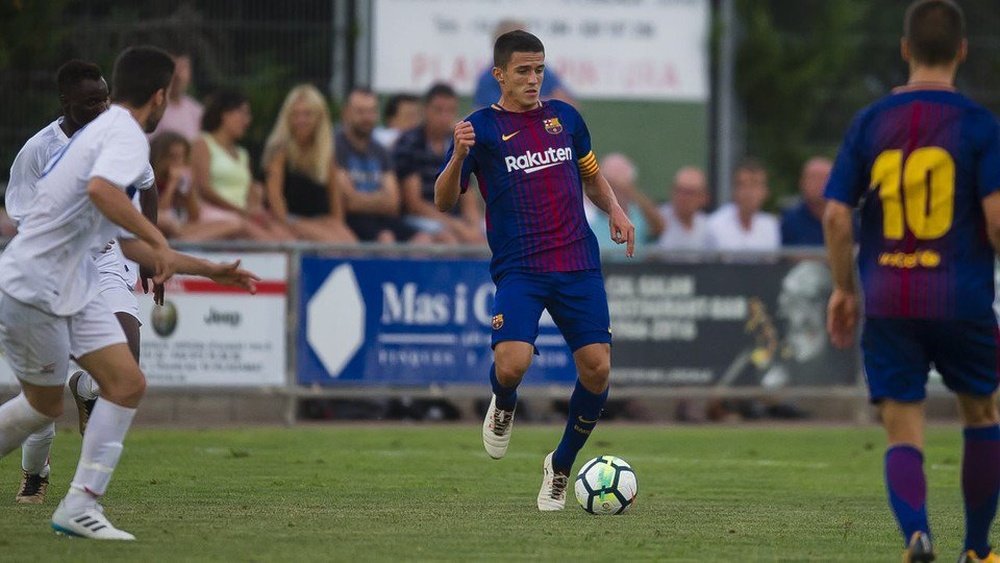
[
  {"x": 183, "y": 113},
  {"x": 181, "y": 215},
  {"x": 222, "y": 168},
  {"x": 488, "y": 89},
  {"x": 621, "y": 175},
  {"x": 686, "y": 227},
  {"x": 741, "y": 225},
  {"x": 298, "y": 159},
  {"x": 802, "y": 225},
  {"x": 365, "y": 176},
  {"x": 418, "y": 156},
  {"x": 401, "y": 113}
]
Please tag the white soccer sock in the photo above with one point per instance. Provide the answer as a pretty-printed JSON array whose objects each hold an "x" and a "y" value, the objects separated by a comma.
[
  {"x": 102, "y": 446},
  {"x": 18, "y": 420},
  {"x": 86, "y": 387},
  {"x": 35, "y": 451}
]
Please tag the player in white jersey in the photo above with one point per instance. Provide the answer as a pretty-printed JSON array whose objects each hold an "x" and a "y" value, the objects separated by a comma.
[
  {"x": 83, "y": 94},
  {"x": 50, "y": 305}
]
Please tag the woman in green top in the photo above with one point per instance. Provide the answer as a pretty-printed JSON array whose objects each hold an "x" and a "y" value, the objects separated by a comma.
[{"x": 221, "y": 167}]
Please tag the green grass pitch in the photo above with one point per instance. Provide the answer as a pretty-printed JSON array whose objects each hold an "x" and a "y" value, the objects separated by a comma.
[{"x": 382, "y": 493}]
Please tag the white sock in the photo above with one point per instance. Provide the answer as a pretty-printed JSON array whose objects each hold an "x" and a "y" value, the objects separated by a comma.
[
  {"x": 86, "y": 387},
  {"x": 18, "y": 420},
  {"x": 102, "y": 446},
  {"x": 35, "y": 451}
]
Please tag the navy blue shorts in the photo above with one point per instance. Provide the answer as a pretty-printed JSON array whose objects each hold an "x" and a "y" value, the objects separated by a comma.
[
  {"x": 898, "y": 354},
  {"x": 576, "y": 301}
]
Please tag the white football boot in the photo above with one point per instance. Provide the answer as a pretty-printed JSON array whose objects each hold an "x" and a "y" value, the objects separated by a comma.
[
  {"x": 552, "y": 495},
  {"x": 496, "y": 429},
  {"x": 90, "y": 523}
]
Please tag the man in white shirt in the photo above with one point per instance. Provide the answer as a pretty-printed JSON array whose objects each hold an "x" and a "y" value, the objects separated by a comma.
[
  {"x": 741, "y": 225},
  {"x": 50, "y": 305},
  {"x": 686, "y": 226},
  {"x": 83, "y": 94}
]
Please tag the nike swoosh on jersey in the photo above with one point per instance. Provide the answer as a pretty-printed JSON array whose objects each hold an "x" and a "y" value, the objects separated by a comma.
[
  {"x": 510, "y": 136},
  {"x": 585, "y": 421}
]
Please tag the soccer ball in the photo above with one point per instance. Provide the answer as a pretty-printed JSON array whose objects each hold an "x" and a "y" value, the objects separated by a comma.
[{"x": 606, "y": 485}]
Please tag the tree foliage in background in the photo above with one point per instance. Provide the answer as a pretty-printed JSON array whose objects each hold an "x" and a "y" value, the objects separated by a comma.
[
  {"x": 261, "y": 48},
  {"x": 786, "y": 77},
  {"x": 805, "y": 67}
]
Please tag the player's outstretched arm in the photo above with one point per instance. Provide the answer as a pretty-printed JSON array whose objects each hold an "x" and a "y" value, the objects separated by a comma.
[
  {"x": 178, "y": 262},
  {"x": 448, "y": 186},
  {"x": 843, "y": 309},
  {"x": 622, "y": 230}
]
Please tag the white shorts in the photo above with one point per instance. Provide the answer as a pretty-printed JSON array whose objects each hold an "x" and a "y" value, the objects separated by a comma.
[
  {"x": 118, "y": 295},
  {"x": 38, "y": 345}
]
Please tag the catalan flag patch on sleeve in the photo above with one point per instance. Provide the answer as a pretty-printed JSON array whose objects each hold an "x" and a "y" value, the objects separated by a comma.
[{"x": 588, "y": 165}]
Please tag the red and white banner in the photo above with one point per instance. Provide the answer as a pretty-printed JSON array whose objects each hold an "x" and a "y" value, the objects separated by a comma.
[
  {"x": 612, "y": 49},
  {"x": 206, "y": 334},
  {"x": 211, "y": 335}
]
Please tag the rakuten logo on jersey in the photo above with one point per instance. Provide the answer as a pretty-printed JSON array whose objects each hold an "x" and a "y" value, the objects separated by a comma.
[{"x": 534, "y": 161}]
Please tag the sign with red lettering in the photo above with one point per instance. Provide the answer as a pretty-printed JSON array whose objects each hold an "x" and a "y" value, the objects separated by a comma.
[{"x": 624, "y": 49}]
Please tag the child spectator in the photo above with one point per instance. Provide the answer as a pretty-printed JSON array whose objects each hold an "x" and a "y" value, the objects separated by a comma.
[{"x": 181, "y": 215}]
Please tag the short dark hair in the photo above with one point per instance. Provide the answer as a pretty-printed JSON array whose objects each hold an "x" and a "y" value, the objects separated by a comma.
[
  {"x": 439, "y": 89},
  {"x": 361, "y": 91},
  {"x": 218, "y": 104},
  {"x": 517, "y": 41},
  {"x": 934, "y": 29},
  {"x": 75, "y": 71},
  {"x": 161, "y": 145},
  {"x": 749, "y": 164},
  {"x": 139, "y": 73},
  {"x": 392, "y": 105}
]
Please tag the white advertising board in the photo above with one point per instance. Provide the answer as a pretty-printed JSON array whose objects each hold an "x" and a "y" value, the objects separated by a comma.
[
  {"x": 617, "y": 49},
  {"x": 210, "y": 335}
]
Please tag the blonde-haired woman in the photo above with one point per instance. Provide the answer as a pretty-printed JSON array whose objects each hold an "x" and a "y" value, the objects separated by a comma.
[{"x": 298, "y": 159}]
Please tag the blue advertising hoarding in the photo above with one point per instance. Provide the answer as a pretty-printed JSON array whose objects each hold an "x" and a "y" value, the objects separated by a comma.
[{"x": 407, "y": 322}]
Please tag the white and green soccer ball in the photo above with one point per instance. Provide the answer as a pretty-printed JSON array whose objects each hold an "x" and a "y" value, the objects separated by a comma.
[{"x": 606, "y": 485}]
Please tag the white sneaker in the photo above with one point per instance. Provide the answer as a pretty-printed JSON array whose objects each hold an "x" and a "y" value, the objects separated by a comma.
[
  {"x": 91, "y": 523},
  {"x": 552, "y": 495},
  {"x": 496, "y": 429}
]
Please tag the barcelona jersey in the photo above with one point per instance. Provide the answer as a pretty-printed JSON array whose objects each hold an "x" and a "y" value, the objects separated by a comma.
[
  {"x": 529, "y": 166},
  {"x": 919, "y": 163}
]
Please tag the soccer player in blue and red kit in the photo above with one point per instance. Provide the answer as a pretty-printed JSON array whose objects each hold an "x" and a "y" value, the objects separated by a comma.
[
  {"x": 923, "y": 164},
  {"x": 530, "y": 159}
]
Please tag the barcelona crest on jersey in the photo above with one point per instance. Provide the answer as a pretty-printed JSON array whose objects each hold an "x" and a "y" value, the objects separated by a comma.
[{"x": 553, "y": 126}]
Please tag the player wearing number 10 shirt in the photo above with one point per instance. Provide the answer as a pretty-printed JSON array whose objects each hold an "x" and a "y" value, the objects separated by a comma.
[{"x": 923, "y": 166}]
